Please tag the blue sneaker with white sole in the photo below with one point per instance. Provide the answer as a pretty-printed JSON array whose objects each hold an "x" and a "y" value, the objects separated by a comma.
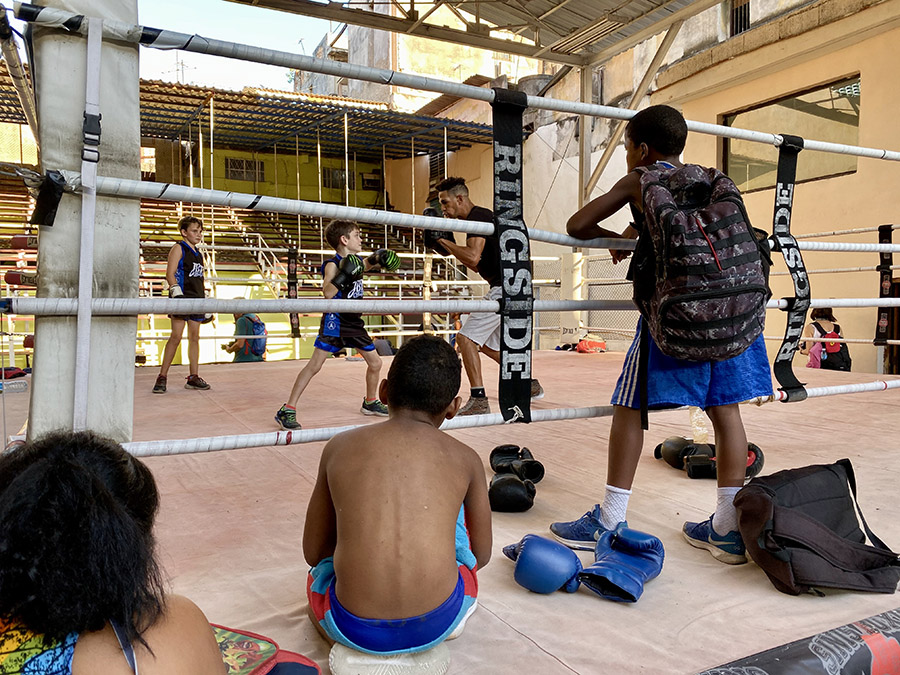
[
  {"x": 728, "y": 548},
  {"x": 581, "y": 534}
]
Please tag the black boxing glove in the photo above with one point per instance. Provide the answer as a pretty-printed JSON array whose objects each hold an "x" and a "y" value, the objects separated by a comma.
[
  {"x": 350, "y": 270},
  {"x": 512, "y": 459},
  {"x": 509, "y": 493},
  {"x": 385, "y": 259},
  {"x": 432, "y": 239}
]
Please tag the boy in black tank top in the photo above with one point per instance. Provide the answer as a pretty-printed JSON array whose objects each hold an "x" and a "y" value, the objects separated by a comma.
[
  {"x": 342, "y": 278},
  {"x": 184, "y": 276}
]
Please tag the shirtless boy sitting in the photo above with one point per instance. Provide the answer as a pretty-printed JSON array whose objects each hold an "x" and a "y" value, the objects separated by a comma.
[{"x": 386, "y": 524}]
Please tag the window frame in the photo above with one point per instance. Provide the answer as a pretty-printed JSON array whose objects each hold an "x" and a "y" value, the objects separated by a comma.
[{"x": 846, "y": 80}]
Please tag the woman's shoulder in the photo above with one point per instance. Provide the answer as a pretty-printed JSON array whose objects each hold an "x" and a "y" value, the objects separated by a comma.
[{"x": 181, "y": 642}]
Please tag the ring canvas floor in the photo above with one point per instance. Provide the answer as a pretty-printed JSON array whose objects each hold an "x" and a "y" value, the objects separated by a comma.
[{"x": 231, "y": 522}]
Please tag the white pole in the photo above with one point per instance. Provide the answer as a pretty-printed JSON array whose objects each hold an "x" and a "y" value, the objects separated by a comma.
[{"x": 90, "y": 157}]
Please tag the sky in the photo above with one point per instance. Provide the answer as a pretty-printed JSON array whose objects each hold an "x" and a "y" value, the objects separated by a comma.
[{"x": 225, "y": 21}]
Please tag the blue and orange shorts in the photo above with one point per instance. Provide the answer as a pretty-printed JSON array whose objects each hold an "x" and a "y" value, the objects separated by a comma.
[{"x": 394, "y": 636}]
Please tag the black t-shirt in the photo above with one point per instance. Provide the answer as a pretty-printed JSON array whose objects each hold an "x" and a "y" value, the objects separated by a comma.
[{"x": 489, "y": 264}]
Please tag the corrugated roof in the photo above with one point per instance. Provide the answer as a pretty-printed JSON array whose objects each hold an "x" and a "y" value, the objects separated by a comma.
[
  {"x": 444, "y": 101},
  {"x": 576, "y": 32},
  {"x": 257, "y": 119}
]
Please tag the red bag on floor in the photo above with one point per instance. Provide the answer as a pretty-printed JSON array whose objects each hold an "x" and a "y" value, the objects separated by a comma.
[
  {"x": 247, "y": 653},
  {"x": 590, "y": 346}
]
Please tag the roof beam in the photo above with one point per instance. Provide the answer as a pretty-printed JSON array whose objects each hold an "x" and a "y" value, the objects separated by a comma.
[
  {"x": 334, "y": 12},
  {"x": 625, "y": 44},
  {"x": 639, "y": 92}
]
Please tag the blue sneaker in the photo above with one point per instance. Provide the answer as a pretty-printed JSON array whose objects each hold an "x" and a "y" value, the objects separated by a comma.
[
  {"x": 728, "y": 549},
  {"x": 580, "y": 534}
]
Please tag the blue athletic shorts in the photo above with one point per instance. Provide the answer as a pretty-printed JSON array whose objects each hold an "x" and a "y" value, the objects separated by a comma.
[
  {"x": 395, "y": 636},
  {"x": 672, "y": 382}
]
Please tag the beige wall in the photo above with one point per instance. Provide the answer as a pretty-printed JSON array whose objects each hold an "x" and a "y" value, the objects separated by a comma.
[{"x": 863, "y": 43}]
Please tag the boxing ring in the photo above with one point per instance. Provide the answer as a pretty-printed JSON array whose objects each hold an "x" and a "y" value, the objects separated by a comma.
[{"x": 240, "y": 558}]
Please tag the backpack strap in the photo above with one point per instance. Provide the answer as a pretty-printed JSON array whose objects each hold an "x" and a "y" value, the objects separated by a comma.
[
  {"x": 643, "y": 361},
  {"x": 851, "y": 479},
  {"x": 813, "y": 535},
  {"x": 804, "y": 529},
  {"x": 819, "y": 328}
]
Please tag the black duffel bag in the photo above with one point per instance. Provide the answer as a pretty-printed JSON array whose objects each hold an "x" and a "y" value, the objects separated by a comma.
[{"x": 801, "y": 527}]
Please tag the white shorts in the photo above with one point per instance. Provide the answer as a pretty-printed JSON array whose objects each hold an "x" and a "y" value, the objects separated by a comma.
[{"x": 483, "y": 328}]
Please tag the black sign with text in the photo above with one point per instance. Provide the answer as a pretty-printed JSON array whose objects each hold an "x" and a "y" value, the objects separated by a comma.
[
  {"x": 785, "y": 242},
  {"x": 516, "y": 305}
]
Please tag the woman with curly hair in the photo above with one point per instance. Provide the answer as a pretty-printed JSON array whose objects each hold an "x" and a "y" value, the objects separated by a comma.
[{"x": 81, "y": 592}]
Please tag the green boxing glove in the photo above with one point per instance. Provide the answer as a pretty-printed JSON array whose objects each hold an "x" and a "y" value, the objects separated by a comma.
[
  {"x": 349, "y": 272},
  {"x": 385, "y": 259}
]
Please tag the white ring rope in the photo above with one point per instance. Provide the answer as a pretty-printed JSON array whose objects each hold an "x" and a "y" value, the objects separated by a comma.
[
  {"x": 835, "y": 270},
  {"x": 840, "y": 302},
  {"x": 183, "y": 306},
  {"x": 835, "y": 390},
  {"x": 848, "y": 247},
  {"x": 852, "y": 341},
  {"x": 214, "y": 443},
  {"x": 838, "y": 233},
  {"x": 136, "y": 189},
  {"x": 166, "y": 39}
]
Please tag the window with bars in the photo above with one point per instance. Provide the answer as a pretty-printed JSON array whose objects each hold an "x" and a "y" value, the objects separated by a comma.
[
  {"x": 829, "y": 113},
  {"x": 238, "y": 168},
  {"x": 436, "y": 164},
  {"x": 740, "y": 16},
  {"x": 335, "y": 179}
]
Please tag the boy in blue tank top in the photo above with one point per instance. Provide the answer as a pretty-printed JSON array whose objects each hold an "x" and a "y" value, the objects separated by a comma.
[
  {"x": 184, "y": 276},
  {"x": 342, "y": 278},
  {"x": 656, "y": 136}
]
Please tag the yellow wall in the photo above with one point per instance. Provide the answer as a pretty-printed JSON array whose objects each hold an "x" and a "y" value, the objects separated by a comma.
[
  {"x": 864, "y": 43},
  {"x": 280, "y": 174}
]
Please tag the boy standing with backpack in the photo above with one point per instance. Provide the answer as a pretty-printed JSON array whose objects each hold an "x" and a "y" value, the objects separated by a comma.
[
  {"x": 246, "y": 349},
  {"x": 654, "y": 140}
]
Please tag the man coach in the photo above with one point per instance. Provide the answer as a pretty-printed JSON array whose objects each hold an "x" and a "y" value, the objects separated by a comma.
[{"x": 481, "y": 330}]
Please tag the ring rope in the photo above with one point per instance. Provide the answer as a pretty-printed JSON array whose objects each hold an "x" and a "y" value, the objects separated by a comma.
[
  {"x": 133, "y": 306},
  {"x": 837, "y": 270},
  {"x": 859, "y": 341},
  {"x": 233, "y": 442},
  {"x": 215, "y": 443},
  {"x": 133, "y": 189},
  {"x": 167, "y": 39},
  {"x": 835, "y": 390},
  {"x": 837, "y": 233}
]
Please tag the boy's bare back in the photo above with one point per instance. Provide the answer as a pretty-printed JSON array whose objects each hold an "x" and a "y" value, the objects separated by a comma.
[{"x": 396, "y": 490}]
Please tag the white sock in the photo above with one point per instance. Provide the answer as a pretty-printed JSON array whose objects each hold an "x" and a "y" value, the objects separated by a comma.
[
  {"x": 615, "y": 504},
  {"x": 725, "y": 518}
]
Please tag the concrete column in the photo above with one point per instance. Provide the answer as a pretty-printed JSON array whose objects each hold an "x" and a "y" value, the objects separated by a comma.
[
  {"x": 60, "y": 69},
  {"x": 570, "y": 288}
]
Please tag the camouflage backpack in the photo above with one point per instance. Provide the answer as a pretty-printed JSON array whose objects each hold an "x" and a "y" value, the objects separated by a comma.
[{"x": 701, "y": 271}]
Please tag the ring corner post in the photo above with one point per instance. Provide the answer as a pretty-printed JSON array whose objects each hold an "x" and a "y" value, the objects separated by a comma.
[{"x": 60, "y": 70}]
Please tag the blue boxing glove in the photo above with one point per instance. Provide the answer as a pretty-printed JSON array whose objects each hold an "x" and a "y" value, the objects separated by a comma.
[
  {"x": 544, "y": 566},
  {"x": 625, "y": 560}
]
